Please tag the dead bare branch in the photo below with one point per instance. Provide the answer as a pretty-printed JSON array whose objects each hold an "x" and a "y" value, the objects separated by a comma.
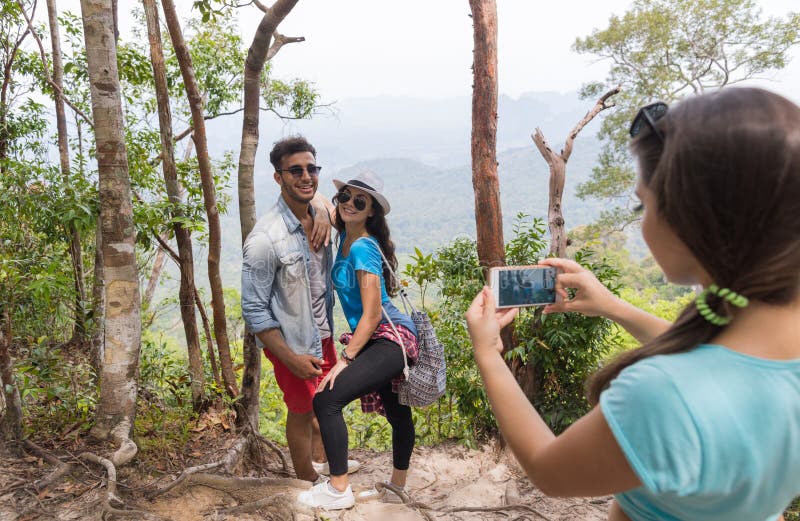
[
  {"x": 279, "y": 41},
  {"x": 558, "y": 167},
  {"x": 261, "y": 6},
  {"x": 601, "y": 105}
]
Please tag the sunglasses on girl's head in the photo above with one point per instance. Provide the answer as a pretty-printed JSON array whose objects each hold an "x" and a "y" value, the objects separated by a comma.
[
  {"x": 649, "y": 115},
  {"x": 297, "y": 170},
  {"x": 359, "y": 201}
]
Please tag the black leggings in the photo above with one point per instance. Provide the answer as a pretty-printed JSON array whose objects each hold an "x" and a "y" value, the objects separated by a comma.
[{"x": 372, "y": 370}]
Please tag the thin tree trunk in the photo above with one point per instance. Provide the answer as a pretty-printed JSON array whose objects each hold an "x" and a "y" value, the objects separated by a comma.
[
  {"x": 98, "y": 302},
  {"x": 558, "y": 173},
  {"x": 11, "y": 421},
  {"x": 155, "y": 275},
  {"x": 98, "y": 287},
  {"x": 116, "y": 409},
  {"x": 485, "y": 182},
  {"x": 74, "y": 237},
  {"x": 182, "y": 235},
  {"x": 209, "y": 338},
  {"x": 209, "y": 195},
  {"x": 257, "y": 56},
  {"x": 488, "y": 214}
]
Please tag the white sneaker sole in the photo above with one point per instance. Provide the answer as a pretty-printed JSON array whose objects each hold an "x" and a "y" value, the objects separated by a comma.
[
  {"x": 323, "y": 468},
  {"x": 307, "y": 500}
]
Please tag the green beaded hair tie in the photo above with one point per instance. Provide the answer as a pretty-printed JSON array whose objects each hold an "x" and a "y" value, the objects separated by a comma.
[{"x": 734, "y": 298}]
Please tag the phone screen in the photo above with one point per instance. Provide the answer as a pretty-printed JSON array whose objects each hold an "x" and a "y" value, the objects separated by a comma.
[{"x": 525, "y": 286}]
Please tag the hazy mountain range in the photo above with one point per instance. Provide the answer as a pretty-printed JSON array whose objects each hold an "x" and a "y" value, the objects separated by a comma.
[{"x": 421, "y": 148}]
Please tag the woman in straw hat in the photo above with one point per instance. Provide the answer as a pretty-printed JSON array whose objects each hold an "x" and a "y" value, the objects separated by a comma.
[{"x": 371, "y": 363}]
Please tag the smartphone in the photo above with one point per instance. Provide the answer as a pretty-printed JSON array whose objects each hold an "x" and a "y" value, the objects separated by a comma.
[{"x": 521, "y": 286}]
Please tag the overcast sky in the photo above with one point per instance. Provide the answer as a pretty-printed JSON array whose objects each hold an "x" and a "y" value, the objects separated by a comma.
[{"x": 423, "y": 48}]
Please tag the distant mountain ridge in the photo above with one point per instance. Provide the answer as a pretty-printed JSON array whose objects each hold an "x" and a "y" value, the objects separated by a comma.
[{"x": 421, "y": 148}]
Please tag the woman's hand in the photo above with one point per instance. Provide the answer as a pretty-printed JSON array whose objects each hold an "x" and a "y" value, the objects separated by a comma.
[
  {"x": 591, "y": 297},
  {"x": 332, "y": 374},
  {"x": 321, "y": 232},
  {"x": 484, "y": 323}
]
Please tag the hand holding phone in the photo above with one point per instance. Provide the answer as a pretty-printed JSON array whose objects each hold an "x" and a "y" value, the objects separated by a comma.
[{"x": 523, "y": 286}]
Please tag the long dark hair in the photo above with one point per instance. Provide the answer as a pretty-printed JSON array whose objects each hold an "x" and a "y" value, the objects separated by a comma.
[
  {"x": 378, "y": 228},
  {"x": 726, "y": 178}
]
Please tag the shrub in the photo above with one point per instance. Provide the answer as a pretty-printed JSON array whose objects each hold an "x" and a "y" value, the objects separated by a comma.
[{"x": 562, "y": 349}]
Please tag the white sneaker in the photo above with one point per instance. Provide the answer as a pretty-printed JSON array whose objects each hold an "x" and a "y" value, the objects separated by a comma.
[
  {"x": 323, "y": 496},
  {"x": 384, "y": 495},
  {"x": 323, "y": 468}
]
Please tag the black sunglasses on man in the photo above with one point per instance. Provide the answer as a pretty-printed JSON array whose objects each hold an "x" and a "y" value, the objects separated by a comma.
[{"x": 297, "y": 170}]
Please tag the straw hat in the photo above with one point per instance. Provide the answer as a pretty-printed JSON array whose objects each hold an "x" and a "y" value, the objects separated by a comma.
[{"x": 370, "y": 182}]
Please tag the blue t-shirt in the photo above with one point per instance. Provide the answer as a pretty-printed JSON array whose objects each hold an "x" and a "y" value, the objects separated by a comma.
[
  {"x": 364, "y": 256},
  {"x": 713, "y": 435}
]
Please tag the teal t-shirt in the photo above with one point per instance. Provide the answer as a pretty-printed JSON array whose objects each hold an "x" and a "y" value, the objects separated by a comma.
[
  {"x": 364, "y": 256},
  {"x": 713, "y": 435}
]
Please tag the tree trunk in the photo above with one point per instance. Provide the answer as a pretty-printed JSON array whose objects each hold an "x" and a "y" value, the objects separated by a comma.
[
  {"x": 558, "y": 173},
  {"x": 529, "y": 376},
  {"x": 11, "y": 420},
  {"x": 155, "y": 275},
  {"x": 182, "y": 235},
  {"x": 209, "y": 195},
  {"x": 555, "y": 218},
  {"x": 98, "y": 303},
  {"x": 209, "y": 341},
  {"x": 488, "y": 214},
  {"x": 74, "y": 237},
  {"x": 116, "y": 409},
  {"x": 254, "y": 66}
]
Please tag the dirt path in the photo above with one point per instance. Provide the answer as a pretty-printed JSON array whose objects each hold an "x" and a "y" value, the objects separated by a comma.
[{"x": 443, "y": 477}]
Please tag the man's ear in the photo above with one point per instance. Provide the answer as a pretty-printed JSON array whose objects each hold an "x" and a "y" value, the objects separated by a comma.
[{"x": 277, "y": 177}]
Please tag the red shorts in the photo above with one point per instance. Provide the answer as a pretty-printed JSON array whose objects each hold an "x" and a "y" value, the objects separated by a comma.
[{"x": 298, "y": 393}]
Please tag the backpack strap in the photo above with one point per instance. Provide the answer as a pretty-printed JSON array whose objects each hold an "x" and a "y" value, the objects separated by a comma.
[{"x": 404, "y": 298}]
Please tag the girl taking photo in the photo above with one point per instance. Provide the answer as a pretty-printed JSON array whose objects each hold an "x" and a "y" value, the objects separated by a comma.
[{"x": 702, "y": 422}]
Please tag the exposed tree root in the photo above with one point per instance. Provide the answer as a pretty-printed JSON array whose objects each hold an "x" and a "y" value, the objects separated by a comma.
[
  {"x": 112, "y": 500},
  {"x": 407, "y": 501},
  {"x": 274, "y": 446},
  {"x": 504, "y": 508},
  {"x": 184, "y": 475},
  {"x": 234, "y": 483},
  {"x": 424, "y": 509},
  {"x": 127, "y": 448},
  {"x": 233, "y": 459},
  {"x": 41, "y": 485},
  {"x": 279, "y": 505}
]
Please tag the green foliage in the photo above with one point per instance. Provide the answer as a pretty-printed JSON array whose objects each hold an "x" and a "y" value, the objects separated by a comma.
[
  {"x": 667, "y": 49},
  {"x": 421, "y": 270},
  {"x": 164, "y": 407},
  {"x": 653, "y": 301},
  {"x": 36, "y": 280},
  {"x": 565, "y": 349},
  {"x": 56, "y": 391}
]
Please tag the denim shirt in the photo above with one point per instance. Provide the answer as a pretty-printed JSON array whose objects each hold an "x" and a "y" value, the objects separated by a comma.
[{"x": 276, "y": 292}]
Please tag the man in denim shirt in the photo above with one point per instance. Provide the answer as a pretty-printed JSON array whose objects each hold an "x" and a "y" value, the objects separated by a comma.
[{"x": 287, "y": 298}]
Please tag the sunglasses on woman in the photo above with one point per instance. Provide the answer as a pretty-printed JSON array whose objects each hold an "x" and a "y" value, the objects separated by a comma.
[
  {"x": 359, "y": 200},
  {"x": 649, "y": 115}
]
